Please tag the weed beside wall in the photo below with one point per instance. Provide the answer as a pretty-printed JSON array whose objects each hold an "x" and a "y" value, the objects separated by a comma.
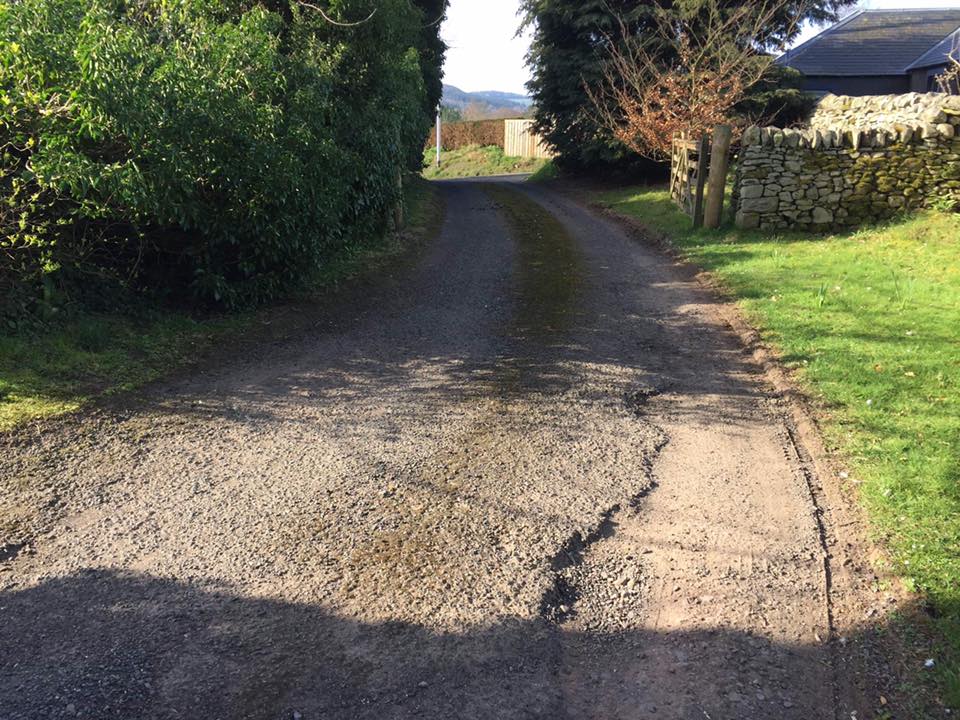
[
  {"x": 197, "y": 150},
  {"x": 862, "y": 160}
]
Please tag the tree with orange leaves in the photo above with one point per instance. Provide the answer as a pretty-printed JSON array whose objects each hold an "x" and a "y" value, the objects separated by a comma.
[{"x": 685, "y": 76}]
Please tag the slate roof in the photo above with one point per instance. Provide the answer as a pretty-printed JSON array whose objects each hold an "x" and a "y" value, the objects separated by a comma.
[
  {"x": 878, "y": 42},
  {"x": 939, "y": 54}
]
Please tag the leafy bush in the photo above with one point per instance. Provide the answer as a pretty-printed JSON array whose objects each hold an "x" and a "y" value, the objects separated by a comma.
[{"x": 198, "y": 150}]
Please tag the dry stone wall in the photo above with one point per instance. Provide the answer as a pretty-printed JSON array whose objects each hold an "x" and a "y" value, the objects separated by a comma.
[
  {"x": 861, "y": 160},
  {"x": 880, "y": 111}
]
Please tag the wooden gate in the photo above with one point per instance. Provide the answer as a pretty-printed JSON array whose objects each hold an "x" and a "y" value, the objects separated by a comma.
[
  {"x": 688, "y": 174},
  {"x": 692, "y": 160}
]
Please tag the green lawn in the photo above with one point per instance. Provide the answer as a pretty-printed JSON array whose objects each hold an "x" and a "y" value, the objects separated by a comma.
[
  {"x": 870, "y": 321},
  {"x": 59, "y": 368},
  {"x": 476, "y": 161}
]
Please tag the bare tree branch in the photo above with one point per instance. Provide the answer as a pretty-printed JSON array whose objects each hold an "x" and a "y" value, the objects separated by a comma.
[
  {"x": 439, "y": 19},
  {"x": 330, "y": 20},
  {"x": 686, "y": 74},
  {"x": 949, "y": 80}
]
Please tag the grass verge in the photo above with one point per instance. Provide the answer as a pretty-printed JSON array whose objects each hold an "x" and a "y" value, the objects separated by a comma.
[
  {"x": 61, "y": 368},
  {"x": 870, "y": 323},
  {"x": 548, "y": 171},
  {"x": 476, "y": 161}
]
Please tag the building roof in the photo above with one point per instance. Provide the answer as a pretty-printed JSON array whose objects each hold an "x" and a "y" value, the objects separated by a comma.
[
  {"x": 939, "y": 54},
  {"x": 878, "y": 42}
]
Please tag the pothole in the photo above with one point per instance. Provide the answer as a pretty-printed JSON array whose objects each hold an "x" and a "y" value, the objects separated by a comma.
[
  {"x": 10, "y": 552},
  {"x": 559, "y": 603}
]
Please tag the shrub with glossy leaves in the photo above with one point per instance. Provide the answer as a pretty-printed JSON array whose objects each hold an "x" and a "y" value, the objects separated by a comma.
[{"x": 202, "y": 150}]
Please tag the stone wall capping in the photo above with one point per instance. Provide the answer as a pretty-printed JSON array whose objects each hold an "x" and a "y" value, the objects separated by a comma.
[
  {"x": 854, "y": 135},
  {"x": 751, "y": 136},
  {"x": 882, "y": 110},
  {"x": 860, "y": 159}
]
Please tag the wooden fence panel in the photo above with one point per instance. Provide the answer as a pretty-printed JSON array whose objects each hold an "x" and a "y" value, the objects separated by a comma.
[{"x": 520, "y": 140}]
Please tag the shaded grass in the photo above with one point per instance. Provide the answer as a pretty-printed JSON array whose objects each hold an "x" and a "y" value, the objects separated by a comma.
[
  {"x": 870, "y": 322},
  {"x": 54, "y": 371},
  {"x": 58, "y": 369},
  {"x": 476, "y": 161},
  {"x": 548, "y": 171}
]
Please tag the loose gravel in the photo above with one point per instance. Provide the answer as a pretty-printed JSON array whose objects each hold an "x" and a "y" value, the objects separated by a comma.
[{"x": 533, "y": 477}]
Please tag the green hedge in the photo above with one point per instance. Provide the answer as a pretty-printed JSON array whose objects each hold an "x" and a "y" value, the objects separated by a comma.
[{"x": 201, "y": 150}]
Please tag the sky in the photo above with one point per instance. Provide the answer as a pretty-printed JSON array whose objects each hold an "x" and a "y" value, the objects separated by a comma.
[{"x": 484, "y": 53}]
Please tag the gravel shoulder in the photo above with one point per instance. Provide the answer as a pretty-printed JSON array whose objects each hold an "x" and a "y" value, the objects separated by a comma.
[{"x": 537, "y": 475}]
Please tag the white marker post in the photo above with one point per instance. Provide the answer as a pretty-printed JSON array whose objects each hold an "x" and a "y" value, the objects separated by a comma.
[{"x": 438, "y": 136}]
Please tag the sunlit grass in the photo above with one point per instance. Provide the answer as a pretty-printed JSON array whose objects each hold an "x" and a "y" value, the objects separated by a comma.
[
  {"x": 476, "y": 161},
  {"x": 870, "y": 322}
]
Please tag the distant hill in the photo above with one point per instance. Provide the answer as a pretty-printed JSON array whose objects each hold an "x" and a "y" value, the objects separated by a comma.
[{"x": 488, "y": 103}]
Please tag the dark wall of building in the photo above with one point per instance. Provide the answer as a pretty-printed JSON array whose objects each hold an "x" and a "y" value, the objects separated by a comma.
[
  {"x": 925, "y": 79},
  {"x": 840, "y": 85}
]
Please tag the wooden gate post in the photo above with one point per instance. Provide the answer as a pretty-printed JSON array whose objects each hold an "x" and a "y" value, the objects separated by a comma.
[
  {"x": 717, "y": 184},
  {"x": 703, "y": 160},
  {"x": 398, "y": 208}
]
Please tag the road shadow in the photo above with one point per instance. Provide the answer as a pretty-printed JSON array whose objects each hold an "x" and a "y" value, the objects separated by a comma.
[
  {"x": 631, "y": 316},
  {"x": 101, "y": 644}
]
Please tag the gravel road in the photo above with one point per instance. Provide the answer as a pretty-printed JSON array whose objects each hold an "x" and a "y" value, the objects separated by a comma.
[{"x": 530, "y": 476}]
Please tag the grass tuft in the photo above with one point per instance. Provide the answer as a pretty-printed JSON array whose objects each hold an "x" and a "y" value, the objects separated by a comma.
[{"x": 549, "y": 171}]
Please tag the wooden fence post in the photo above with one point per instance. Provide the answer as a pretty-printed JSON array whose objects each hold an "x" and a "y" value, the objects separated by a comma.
[
  {"x": 439, "y": 139},
  {"x": 398, "y": 208},
  {"x": 703, "y": 159},
  {"x": 717, "y": 184}
]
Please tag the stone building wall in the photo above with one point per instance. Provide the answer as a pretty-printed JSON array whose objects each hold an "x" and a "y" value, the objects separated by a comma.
[{"x": 861, "y": 160}]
